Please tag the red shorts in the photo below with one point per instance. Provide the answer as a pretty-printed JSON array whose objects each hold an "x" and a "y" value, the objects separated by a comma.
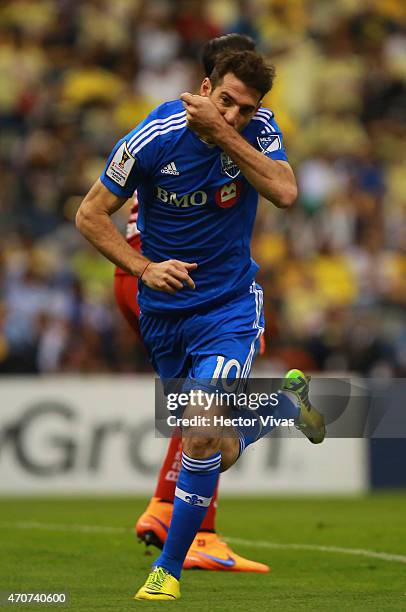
[{"x": 126, "y": 292}]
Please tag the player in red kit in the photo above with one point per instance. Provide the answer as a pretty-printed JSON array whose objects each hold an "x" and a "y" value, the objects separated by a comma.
[{"x": 208, "y": 551}]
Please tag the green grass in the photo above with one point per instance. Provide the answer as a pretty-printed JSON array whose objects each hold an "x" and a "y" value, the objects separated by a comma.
[{"x": 101, "y": 571}]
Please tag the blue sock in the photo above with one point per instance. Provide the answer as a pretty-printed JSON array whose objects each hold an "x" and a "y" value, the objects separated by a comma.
[
  {"x": 258, "y": 428},
  {"x": 194, "y": 490}
]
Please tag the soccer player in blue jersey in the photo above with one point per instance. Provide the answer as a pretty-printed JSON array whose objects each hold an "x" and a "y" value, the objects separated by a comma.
[
  {"x": 208, "y": 551},
  {"x": 198, "y": 165}
]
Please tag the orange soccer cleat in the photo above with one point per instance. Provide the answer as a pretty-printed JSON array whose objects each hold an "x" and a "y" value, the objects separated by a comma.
[
  {"x": 209, "y": 552},
  {"x": 152, "y": 526}
]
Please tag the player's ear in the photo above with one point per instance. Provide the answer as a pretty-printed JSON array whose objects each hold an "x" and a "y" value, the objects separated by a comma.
[{"x": 205, "y": 87}]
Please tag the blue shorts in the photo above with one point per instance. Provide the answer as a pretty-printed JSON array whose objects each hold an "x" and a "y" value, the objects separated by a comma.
[{"x": 218, "y": 344}]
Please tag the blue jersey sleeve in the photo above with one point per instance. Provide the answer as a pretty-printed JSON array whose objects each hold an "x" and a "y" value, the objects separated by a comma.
[
  {"x": 121, "y": 174},
  {"x": 125, "y": 168},
  {"x": 134, "y": 156},
  {"x": 269, "y": 138}
]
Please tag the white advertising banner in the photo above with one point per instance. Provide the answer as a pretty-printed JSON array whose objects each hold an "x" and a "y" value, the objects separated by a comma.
[{"x": 65, "y": 435}]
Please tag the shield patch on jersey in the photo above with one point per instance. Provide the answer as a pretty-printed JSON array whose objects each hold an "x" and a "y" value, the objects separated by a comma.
[
  {"x": 269, "y": 143},
  {"x": 229, "y": 167}
]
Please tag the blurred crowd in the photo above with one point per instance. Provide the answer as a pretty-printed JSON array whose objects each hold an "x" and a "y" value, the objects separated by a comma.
[{"x": 75, "y": 76}]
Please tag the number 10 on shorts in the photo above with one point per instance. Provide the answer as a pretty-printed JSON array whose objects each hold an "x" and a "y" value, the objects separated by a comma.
[{"x": 223, "y": 370}]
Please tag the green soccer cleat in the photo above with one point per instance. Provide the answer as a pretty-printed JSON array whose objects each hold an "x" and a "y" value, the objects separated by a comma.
[
  {"x": 159, "y": 586},
  {"x": 310, "y": 421}
]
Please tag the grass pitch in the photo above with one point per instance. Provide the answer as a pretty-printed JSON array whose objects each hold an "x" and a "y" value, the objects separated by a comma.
[{"x": 87, "y": 547}]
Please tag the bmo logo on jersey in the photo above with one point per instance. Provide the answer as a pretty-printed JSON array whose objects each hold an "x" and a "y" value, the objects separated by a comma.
[
  {"x": 197, "y": 198},
  {"x": 227, "y": 195}
]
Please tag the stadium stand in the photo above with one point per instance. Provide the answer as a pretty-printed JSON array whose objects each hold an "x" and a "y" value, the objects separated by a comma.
[{"x": 75, "y": 76}]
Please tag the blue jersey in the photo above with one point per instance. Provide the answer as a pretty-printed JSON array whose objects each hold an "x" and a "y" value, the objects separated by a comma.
[{"x": 195, "y": 205}]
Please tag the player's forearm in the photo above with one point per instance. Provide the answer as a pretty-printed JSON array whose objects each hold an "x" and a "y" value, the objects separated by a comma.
[
  {"x": 274, "y": 181},
  {"x": 100, "y": 231}
]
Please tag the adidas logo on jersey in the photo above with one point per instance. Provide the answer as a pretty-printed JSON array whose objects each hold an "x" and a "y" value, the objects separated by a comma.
[{"x": 170, "y": 169}]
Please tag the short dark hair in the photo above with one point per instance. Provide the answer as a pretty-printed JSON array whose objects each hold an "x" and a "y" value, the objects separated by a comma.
[
  {"x": 248, "y": 66},
  {"x": 228, "y": 42}
]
